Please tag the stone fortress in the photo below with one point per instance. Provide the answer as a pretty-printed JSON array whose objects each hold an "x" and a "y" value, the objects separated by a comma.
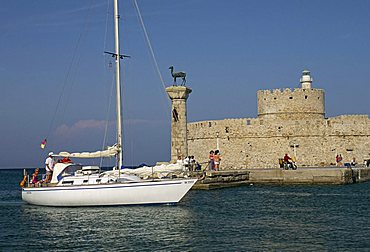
[{"x": 289, "y": 121}]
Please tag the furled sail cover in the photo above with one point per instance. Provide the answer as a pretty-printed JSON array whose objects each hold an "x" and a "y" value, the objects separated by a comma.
[{"x": 111, "y": 151}]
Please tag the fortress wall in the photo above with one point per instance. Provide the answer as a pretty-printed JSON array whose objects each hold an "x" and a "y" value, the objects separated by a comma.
[
  {"x": 349, "y": 119},
  {"x": 289, "y": 103},
  {"x": 289, "y": 121},
  {"x": 259, "y": 143},
  {"x": 349, "y": 125}
]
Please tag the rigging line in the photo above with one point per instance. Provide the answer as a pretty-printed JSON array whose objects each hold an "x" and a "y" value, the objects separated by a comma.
[
  {"x": 76, "y": 68},
  {"x": 107, "y": 119},
  {"x": 112, "y": 81},
  {"x": 126, "y": 127},
  {"x": 69, "y": 70},
  {"x": 72, "y": 81},
  {"x": 148, "y": 42},
  {"x": 106, "y": 27},
  {"x": 150, "y": 47},
  {"x": 129, "y": 126}
]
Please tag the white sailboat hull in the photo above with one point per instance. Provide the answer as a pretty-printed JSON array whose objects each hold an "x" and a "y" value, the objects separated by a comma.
[{"x": 132, "y": 193}]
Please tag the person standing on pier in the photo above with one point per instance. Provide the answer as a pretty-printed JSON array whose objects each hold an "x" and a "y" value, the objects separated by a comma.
[
  {"x": 217, "y": 160},
  {"x": 211, "y": 163}
]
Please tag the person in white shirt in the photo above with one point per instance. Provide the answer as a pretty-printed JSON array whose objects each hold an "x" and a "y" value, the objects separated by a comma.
[
  {"x": 186, "y": 163},
  {"x": 49, "y": 166}
]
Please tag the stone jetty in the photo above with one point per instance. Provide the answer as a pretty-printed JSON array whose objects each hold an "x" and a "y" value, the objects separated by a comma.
[{"x": 314, "y": 175}]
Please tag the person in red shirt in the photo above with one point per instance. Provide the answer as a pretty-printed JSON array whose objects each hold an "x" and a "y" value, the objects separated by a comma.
[
  {"x": 34, "y": 178},
  {"x": 66, "y": 160},
  {"x": 288, "y": 160}
]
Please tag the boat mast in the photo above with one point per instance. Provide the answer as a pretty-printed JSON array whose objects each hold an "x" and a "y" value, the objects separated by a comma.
[{"x": 118, "y": 86}]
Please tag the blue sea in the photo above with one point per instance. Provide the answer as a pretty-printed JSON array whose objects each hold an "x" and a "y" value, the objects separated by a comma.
[{"x": 248, "y": 218}]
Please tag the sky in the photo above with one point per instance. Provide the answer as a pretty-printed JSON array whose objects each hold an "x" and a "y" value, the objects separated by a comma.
[{"x": 56, "y": 81}]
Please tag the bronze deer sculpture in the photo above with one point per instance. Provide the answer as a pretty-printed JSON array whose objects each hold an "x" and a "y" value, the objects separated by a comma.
[{"x": 175, "y": 75}]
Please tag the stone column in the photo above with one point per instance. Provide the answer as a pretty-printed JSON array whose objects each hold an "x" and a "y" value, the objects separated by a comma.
[{"x": 179, "y": 143}]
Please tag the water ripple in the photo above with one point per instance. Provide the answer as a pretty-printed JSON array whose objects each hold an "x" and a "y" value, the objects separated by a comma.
[{"x": 250, "y": 218}]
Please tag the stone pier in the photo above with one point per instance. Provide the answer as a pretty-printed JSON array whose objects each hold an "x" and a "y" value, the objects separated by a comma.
[
  {"x": 179, "y": 144},
  {"x": 312, "y": 175}
]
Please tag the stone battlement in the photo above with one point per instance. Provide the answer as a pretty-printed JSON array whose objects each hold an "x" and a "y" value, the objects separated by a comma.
[
  {"x": 288, "y": 103},
  {"x": 350, "y": 118},
  {"x": 281, "y": 91}
]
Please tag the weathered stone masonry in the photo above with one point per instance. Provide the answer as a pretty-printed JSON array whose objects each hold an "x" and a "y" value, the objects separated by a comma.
[
  {"x": 178, "y": 96},
  {"x": 289, "y": 121}
]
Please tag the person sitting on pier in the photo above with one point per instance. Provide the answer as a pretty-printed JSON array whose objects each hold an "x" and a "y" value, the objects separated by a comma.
[
  {"x": 191, "y": 163},
  {"x": 194, "y": 165},
  {"x": 338, "y": 160},
  {"x": 288, "y": 160},
  {"x": 197, "y": 167}
]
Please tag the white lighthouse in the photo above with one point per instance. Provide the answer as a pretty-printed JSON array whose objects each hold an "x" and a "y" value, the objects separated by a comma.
[{"x": 306, "y": 79}]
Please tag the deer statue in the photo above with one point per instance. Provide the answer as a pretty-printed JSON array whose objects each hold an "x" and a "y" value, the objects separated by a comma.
[{"x": 175, "y": 75}]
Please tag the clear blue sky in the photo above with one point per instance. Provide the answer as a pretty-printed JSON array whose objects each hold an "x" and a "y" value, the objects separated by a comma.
[{"x": 229, "y": 49}]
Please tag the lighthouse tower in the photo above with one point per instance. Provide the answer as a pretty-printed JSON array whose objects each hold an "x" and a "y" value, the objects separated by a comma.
[
  {"x": 301, "y": 103},
  {"x": 306, "y": 79}
]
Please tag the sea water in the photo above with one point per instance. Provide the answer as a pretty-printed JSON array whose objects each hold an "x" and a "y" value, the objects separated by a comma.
[{"x": 248, "y": 218}]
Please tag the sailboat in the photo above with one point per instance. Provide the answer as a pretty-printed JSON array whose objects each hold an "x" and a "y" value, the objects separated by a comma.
[{"x": 79, "y": 185}]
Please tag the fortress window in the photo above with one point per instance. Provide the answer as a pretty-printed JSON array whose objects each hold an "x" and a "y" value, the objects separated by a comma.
[
  {"x": 274, "y": 98},
  {"x": 305, "y": 96},
  {"x": 227, "y": 129},
  {"x": 291, "y": 97},
  {"x": 209, "y": 124},
  {"x": 248, "y": 122},
  {"x": 318, "y": 98}
]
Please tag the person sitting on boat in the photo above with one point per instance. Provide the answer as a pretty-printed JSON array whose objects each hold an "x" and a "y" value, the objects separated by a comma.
[
  {"x": 65, "y": 160},
  {"x": 34, "y": 178},
  {"x": 49, "y": 166}
]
